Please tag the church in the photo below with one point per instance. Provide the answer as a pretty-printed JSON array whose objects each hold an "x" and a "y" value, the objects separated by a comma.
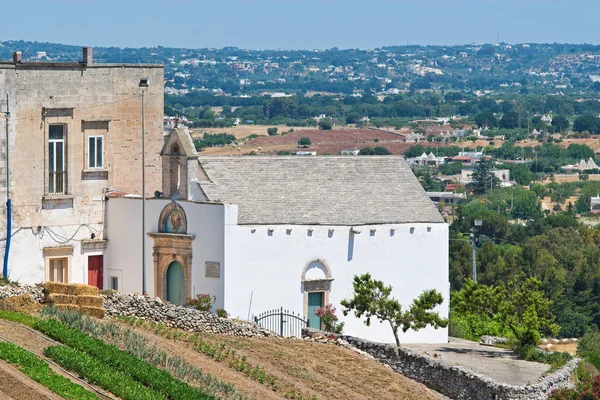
[{"x": 290, "y": 232}]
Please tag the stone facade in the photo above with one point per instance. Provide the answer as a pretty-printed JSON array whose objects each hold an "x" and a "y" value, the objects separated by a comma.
[
  {"x": 452, "y": 380},
  {"x": 85, "y": 100}
]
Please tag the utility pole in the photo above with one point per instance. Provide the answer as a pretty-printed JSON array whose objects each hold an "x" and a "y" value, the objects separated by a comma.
[
  {"x": 8, "y": 201},
  {"x": 477, "y": 222},
  {"x": 144, "y": 84}
]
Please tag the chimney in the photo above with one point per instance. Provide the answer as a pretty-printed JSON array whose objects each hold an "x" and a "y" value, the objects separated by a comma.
[
  {"x": 17, "y": 57},
  {"x": 87, "y": 55}
]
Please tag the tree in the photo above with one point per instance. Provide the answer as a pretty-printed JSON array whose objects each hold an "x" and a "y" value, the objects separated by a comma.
[
  {"x": 521, "y": 306},
  {"x": 588, "y": 122},
  {"x": 305, "y": 141},
  {"x": 483, "y": 178},
  {"x": 381, "y": 151},
  {"x": 486, "y": 119},
  {"x": 353, "y": 117},
  {"x": 325, "y": 124},
  {"x": 366, "y": 151},
  {"x": 371, "y": 298},
  {"x": 560, "y": 123},
  {"x": 272, "y": 131},
  {"x": 510, "y": 120}
]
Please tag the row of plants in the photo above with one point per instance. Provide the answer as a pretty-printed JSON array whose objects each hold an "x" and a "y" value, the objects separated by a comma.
[
  {"x": 38, "y": 370},
  {"x": 155, "y": 378},
  {"x": 101, "y": 374},
  {"x": 137, "y": 344},
  {"x": 219, "y": 352}
]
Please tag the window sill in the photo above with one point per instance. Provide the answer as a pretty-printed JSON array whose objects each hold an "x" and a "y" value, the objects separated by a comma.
[
  {"x": 100, "y": 174},
  {"x": 57, "y": 201}
]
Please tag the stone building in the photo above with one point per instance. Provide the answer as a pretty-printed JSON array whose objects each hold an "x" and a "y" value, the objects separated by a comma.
[
  {"x": 74, "y": 134},
  {"x": 261, "y": 233}
]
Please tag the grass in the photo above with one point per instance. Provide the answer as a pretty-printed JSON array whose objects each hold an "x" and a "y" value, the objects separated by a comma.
[{"x": 40, "y": 371}]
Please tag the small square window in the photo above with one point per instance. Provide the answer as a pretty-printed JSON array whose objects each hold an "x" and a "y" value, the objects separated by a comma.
[
  {"x": 95, "y": 152},
  {"x": 114, "y": 283}
]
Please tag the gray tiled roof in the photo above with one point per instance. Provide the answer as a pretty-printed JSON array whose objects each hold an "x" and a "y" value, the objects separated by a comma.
[{"x": 327, "y": 190}]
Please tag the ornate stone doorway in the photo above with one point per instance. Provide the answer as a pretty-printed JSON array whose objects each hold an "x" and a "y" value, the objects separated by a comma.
[{"x": 172, "y": 256}]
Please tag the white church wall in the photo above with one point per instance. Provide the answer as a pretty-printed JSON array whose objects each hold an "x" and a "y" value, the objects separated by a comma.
[
  {"x": 205, "y": 222},
  {"x": 268, "y": 262},
  {"x": 26, "y": 258}
]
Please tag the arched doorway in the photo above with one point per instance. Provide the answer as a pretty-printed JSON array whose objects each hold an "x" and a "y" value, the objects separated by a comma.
[
  {"x": 316, "y": 285},
  {"x": 175, "y": 283}
]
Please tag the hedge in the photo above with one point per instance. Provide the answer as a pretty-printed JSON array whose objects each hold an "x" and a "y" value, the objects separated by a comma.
[
  {"x": 39, "y": 371},
  {"x": 161, "y": 381},
  {"x": 97, "y": 372}
]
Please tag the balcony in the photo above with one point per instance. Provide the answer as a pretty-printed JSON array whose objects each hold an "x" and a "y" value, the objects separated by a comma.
[{"x": 57, "y": 183}]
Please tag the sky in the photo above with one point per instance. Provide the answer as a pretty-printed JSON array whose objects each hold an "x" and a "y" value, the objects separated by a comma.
[{"x": 293, "y": 24}]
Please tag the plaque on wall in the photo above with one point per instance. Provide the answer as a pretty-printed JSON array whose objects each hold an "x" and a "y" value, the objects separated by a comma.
[{"x": 212, "y": 269}]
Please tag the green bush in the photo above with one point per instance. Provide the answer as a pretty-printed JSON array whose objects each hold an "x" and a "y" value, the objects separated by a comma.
[
  {"x": 202, "y": 302},
  {"x": 272, "y": 131},
  {"x": 573, "y": 324},
  {"x": 39, "y": 371},
  {"x": 101, "y": 374},
  {"x": 472, "y": 327},
  {"x": 159, "y": 380},
  {"x": 589, "y": 347}
]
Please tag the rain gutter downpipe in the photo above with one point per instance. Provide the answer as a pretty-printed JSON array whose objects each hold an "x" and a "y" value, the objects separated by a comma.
[{"x": 8, "y": 201}]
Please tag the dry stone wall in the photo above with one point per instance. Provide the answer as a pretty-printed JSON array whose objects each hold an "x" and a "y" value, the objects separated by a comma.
[
  {"x": 455, "y": 381},
  {"x": 154, "y": 309},
  {"x": 36, "y": 292}
]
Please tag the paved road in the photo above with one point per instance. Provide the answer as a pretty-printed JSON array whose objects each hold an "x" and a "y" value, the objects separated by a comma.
[{"x": 499, "y": 364}]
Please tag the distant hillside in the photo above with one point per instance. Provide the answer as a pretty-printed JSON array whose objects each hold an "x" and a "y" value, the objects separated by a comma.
[{"x": 504, "y": 68}]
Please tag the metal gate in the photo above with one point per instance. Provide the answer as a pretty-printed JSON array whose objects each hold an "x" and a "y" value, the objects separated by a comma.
[{"x": 282, "y": 322}]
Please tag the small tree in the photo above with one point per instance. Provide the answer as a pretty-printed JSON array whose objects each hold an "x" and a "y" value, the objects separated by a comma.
[
  {"x": 304, "y": 141},
  {"x": 272, "y": 131},
  {"x": 521, "y": 306},
  {"x": 381, "y": 151},
  {"x": 325, "y": 124},
  {"x": 366, "y": 151},
  {"x": 373, "y": 299}
]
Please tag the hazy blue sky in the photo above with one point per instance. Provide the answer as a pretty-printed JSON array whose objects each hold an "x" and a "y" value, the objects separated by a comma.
[{"x": 307, "y": 24}]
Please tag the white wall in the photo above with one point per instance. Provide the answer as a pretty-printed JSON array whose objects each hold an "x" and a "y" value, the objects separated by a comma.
[
  {"x": 270, "y": 267},
  {"x": 205, "y": 222},
  {"x": 26, "y": 258}
]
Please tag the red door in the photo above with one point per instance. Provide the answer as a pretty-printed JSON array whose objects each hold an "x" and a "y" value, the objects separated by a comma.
[{"x": 95, "y": 268}]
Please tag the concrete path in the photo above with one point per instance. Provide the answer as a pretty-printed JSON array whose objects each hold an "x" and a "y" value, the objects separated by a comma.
[{"x": 499, "y": 364}]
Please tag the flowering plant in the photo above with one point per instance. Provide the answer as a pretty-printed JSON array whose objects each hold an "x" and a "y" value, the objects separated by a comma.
[
  {"x": 222, "y": 313},
  {"x": 586, "y": 389},
  {"x": 329, "y": 319},
  {"x": 202, "y": 302}
]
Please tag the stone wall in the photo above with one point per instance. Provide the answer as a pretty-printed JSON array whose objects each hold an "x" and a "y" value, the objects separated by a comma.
[
  {"x": 455, "y": 381},
  {"x": 36, "y": 292},
  {"x": 153, "y": 309}
]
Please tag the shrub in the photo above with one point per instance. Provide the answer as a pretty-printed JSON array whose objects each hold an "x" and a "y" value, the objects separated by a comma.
[
  {"x": 586, "y": 389},
  {"x": 381, "y": 151},
  {"x": 589, "y": 347},
  {"x": 202, "y": 302},
  {"x": 329, "y": 319},
  {"x": 573, "y": 324},
  {"x": 222, "y": 313},
  {"x": 325, "y": 124},
  {"x": 272, "y": 131},
  {"x": 366, "y": 151},
  {"x": 472, "y": 327},
  {"x": 142, "y": 371},
  {"x": 283, "y": 153},
  {"x": 305, "y": 141},
  {"x": 39, "y": 371},
  {"x": 101, "y": 374}
]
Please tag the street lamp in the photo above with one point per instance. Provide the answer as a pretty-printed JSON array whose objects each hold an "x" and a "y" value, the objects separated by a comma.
[{"x": 144, "y": 84}]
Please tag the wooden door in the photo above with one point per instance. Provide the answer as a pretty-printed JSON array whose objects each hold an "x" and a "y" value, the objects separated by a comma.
[
  {"x": 175, "y": 284},
  {"x": 315, "y": 300},
  {"x": 95, "y": 271}
]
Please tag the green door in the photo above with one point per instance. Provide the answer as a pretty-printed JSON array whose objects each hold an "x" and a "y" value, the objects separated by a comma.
[
  {"x": 175, "y": 284},
  {"x": 315, "y": 300}
]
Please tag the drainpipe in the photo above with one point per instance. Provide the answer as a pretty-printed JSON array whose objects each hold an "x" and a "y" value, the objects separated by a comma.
[{"x": 8, "y": 202}]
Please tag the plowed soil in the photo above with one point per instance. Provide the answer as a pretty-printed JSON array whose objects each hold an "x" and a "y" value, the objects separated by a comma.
[{"x": 14, "y": 385}]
